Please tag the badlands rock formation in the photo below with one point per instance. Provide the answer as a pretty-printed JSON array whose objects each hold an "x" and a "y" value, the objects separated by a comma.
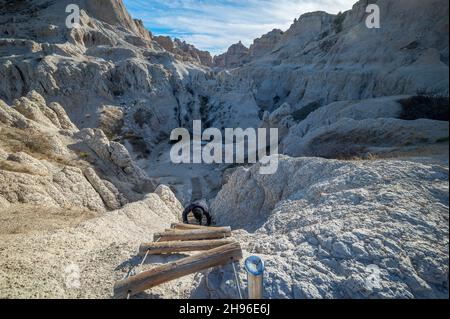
[
  {"x": 234, "y": 57},
  {"x": 85, "y": 119},
  {"x": 85, "y": 261},
  {"x": 334, "y": 229},
  {"x": 324, "y": 58},
  {"x": 185, "y": 50},
  {"x": 352, "y": 128},
  {"x": 47, "y": 162}
]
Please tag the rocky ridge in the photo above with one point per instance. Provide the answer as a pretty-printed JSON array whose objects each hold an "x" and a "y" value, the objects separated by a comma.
[
  {"x": 46, "y": 161},
  {"x": 337, "y": 229},
  {"x": 85, "y": 116}
]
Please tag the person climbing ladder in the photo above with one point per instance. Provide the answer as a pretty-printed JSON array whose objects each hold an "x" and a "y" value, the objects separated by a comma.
[{"x": 200, "y": 211}]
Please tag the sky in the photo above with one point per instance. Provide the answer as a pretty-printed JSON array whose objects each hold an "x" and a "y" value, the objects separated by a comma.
[{"x": 214, "y": 25}]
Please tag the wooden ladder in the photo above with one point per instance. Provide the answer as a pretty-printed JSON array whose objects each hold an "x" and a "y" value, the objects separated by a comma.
[{"x": 216, "y": 244}]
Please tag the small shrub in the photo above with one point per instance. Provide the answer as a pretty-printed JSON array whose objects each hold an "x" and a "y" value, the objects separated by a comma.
[
  {"x": 83, "y": 155},
  {"x": 15, "y": 167},
  {"x": 30, "y": 141},
  {"x": 304, "y": 112},
  {"x": 338, "y": 22},
  {"x": 425, "y": 106},
  {"x": 142, "y": 117},
  {"x": 442, "y": 140}
]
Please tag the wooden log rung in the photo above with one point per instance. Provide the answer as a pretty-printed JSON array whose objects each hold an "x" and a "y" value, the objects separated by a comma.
[
  {"x": 194, "y": 234},
  {"x": 212, "y": 229},
  {"x": 171, "y": 247},
  {"x": 174, "y": 270},
  {"x": 181, "y": 226}
]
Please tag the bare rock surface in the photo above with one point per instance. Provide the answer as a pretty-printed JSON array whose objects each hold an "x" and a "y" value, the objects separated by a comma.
[
  {"x": 82, "y": 261},
  {"x": 44, "y": 163},
  {"x": 185, "y": 50},
  {"x": 109, "y": 196},
  {"x": 352, "y": 128},
  {"x": 85, "y": 118},
  {"x": 312, "y": 61},
  {"x": 334, "y": 229}
]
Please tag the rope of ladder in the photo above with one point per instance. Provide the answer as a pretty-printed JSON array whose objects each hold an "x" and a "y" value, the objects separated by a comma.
[
  {"x": 140, "y": 266},
  {"x": 238, "y": 284}
]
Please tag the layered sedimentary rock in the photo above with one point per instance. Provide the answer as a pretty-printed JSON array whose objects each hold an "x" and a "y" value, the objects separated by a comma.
[
  {"x": 185, "y": 50},
  {"x": 324, "y": 58},
  {"x": 85, "y": 118},
  {"x": 236, "y": 56},
  {"x": 109, "y": 61},
  {"x": 44, "y": 163},
  {"x": 85, "y": 261}
]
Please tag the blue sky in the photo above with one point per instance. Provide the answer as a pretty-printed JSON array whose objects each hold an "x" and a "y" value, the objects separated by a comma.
[{"x": 214, "y": 25}]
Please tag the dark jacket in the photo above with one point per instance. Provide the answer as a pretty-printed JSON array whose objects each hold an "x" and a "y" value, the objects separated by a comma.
[{"x": 200, "y": 206}]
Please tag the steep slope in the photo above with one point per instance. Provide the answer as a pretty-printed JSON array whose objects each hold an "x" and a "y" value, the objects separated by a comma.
[
  {"x": 85, "y": 117},
  {"x": 325, "y": 58},
  {"x": 333, "y": 64},
  {"x": 47, "y": 162},
  {"x": 113, "y": 74},
  {"x": 109, "y": 61},
  {"x": 336, "y": 229},
  {"x": 85, "y": 261}
]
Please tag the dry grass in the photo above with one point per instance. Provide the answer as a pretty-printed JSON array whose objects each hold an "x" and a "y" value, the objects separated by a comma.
[
  {"x": 365, "y": 157},
  {"x": 25, "y": 218},
  {"x": 15, "y": 167},
  {"x": 29, "y": 141},
  {"x": 33, "y": 142},
  {"x": 111, "y": 121}
]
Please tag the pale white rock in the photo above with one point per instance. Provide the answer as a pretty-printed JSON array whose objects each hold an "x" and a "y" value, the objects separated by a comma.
[
  {"x": 120, "y": 155},
  {"x": 40, "y": 175},
  {"x": 64, "y": 188},
  {"x": 113, "y": 189},
  {"x": 349, "y": 138},
  {"x": 170, "y": 200},
  {"x": 351, "y": 128},
  {"x": 115, "y": 157},
  {"x": 110, "y": 199},
  {"x": 72, "y": 180},
  {"x": 312, "y": 62},
  {"x": 101, "y": 251},
  {"x": 236, "y": 55},
  {"x": 31, "y": 109},
  {"x": 187, "y": 51},
  {"x": 333, "y": 229},
  {"x": 11, "y": 117},
  {"x": 62, "y": 117},
  {"x": 25, "y": 159},
  {"x": 3, "y": 202},
  {"x": 265, "y": 44},
  {"x": 280, "y": 119},
  {"x": 326, "y": 229}
]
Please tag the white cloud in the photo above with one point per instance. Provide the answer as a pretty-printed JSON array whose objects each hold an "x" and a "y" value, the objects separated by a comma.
[{"x": 214, "y": 25}]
